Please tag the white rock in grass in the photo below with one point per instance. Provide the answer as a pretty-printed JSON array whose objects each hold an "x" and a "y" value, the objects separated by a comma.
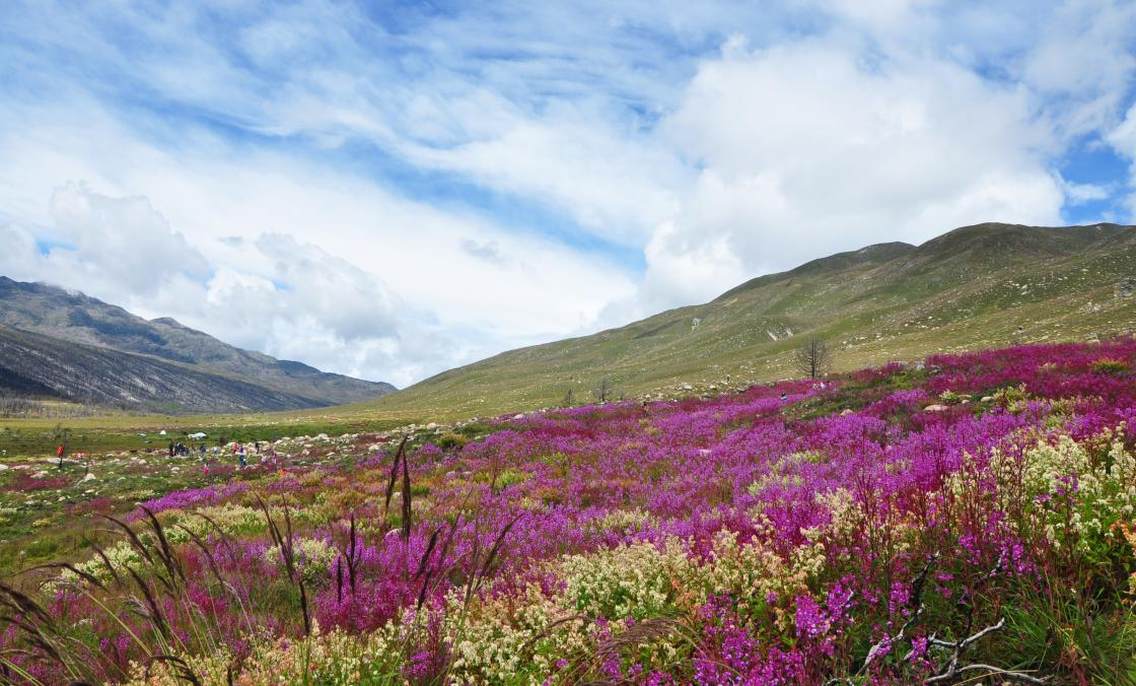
[{"x": 935, "y": 408}]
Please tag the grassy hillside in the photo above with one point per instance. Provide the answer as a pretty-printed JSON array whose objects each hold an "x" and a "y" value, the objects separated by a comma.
[{"x": 974, "y": 287}]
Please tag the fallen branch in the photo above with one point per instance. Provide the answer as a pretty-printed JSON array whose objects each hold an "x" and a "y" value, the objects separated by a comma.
[{"x": 953, "y": 669}]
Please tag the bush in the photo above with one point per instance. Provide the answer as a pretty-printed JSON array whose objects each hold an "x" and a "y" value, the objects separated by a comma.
[
  {"x": 1110, "y": 366},
  {"x": 450, "y": 441}
]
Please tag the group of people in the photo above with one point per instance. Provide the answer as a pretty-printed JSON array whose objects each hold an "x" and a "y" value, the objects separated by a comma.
[{"x": 180, "y": 449}]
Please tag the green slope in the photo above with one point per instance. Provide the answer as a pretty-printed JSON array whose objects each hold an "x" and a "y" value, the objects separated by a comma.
[{"x": 973, "y": 287}]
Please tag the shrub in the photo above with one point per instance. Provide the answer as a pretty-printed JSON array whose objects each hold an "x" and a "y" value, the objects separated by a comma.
[
  {"x": 1110, "y": 366},
  {"x": 450, "y": 441}
]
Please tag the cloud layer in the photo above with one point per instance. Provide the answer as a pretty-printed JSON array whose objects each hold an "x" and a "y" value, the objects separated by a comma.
[{"x": 390, "y": 191}]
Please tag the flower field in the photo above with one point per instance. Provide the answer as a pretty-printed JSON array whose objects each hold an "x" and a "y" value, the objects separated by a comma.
[{"x": 965, "y": 520}]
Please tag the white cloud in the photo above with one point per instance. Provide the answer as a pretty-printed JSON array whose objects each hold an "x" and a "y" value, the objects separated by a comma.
[
  {"x": 389, "y": 293},
  {"x": 805, "y": 150},
  {"x": 1122, "y": 139},
  {"x": 253, "y": 171},
  {"x": 1080, "y": 193},
  {"x": 1085, "y": 55},
  {"x": 20, "y": 258},
  {"x": 610, "y": 180},
  {"x": 117, "y": 244}
]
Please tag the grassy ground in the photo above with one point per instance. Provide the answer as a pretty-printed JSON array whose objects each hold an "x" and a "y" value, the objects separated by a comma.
[
  {"x": 44, "y": 508},
  {"x": 47, "y": 510},
  {"x": 36, "y": 437}
]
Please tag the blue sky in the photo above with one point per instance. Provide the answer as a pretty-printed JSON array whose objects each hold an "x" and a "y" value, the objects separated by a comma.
[{"x": 391, "y": 189}]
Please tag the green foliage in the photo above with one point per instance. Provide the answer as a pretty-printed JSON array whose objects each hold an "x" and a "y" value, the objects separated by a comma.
[
  {"x": 41, "y": 549},
  {"x": 1091, "y": 640},
  {"x": 1110, "y": 366},
  {"x": 949, "y": 397},
  {"x": 1013, "y": 398},
  {"x": 451, "y": 441},
  {"x": 474, "y": 430}
]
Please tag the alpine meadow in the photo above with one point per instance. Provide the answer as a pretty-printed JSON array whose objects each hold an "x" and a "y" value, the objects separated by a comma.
[{"x": 383, "y": 343}]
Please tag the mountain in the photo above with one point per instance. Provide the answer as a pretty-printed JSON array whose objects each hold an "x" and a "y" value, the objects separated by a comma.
[
  {"x": 974, "y": 287},
  {"x": 58, "y": 344}
]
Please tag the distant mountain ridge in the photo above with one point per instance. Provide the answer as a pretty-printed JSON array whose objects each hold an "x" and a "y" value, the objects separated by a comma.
[
  {"x": 72, "y": 346},
  {"x": 973, "y": 287}
]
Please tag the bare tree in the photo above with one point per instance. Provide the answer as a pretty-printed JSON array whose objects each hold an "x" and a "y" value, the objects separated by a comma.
[
  {"x": 812, "y": 357},
  {"x": 604, "y": 391}
]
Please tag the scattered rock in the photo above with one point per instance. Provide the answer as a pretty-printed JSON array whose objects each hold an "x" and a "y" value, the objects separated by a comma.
[
  {"x": 88, "y": 477},
  {"x": 935, "y": 408},
  {"x": 1126, "y": 287}
]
